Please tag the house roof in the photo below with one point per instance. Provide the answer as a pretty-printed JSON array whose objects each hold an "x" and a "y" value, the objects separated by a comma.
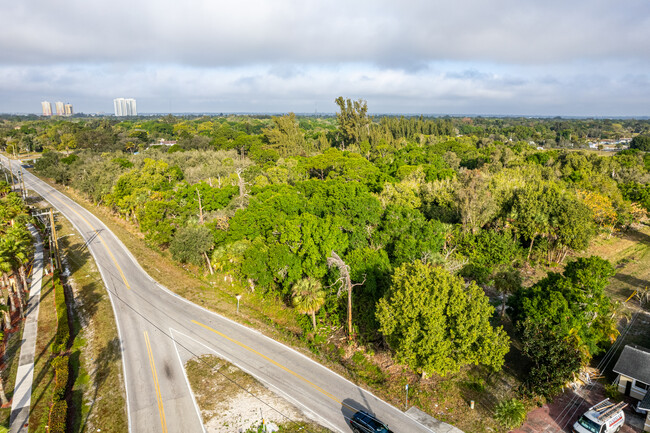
[
  {"x": 634, "y": 362},
  {"x": 645, "y": 403}
]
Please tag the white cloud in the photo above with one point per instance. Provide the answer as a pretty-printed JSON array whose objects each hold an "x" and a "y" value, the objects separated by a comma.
[
  {"x": 382, "y": 32},
  {"x": 437, "y": 89},
  {"x": 431, "y": 56}
]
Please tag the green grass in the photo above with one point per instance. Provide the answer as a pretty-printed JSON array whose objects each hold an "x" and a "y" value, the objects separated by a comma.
[
  {"x": 96, "y": 399},
  {"x": 629, "y": 251},
  {"x": 43, "y": 373}
]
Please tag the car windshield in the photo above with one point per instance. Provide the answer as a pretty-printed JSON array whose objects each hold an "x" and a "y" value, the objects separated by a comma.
[
  {"x": 589, "y": 424},
  {"x": 377, "y": 426},
  {"x": 373, "y": 423}
]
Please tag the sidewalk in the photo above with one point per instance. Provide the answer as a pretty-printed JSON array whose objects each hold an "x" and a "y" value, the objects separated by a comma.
[{"x": 23, "y": 390}]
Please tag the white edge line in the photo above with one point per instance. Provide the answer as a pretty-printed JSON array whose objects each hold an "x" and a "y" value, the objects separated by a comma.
[
  {"x": 270, "y": 386},
  {"x": 292, "y": 350},
  {"x": 187, "y": 381},
  {"x": 110, "y": 296},
  {"x": 226, "y": 318},
  {"x": 53, "y": 192}
]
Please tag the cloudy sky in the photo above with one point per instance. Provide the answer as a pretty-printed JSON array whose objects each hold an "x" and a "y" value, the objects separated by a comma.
[{"x": 521, "y": 57}]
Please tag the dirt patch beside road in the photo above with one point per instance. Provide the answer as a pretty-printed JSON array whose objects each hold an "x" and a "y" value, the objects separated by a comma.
[{"x": 232, "y": 401}]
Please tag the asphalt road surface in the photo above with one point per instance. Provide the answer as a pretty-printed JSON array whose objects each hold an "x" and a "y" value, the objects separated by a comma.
[{"x": 159, "y": 331}]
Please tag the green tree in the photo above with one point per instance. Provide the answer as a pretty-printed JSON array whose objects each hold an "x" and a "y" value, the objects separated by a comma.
[
  {"x": 571, "y": 227},
  {"x": 285, "y": 137},
  {"x": 407, "y": 235},
  {"x": 68, "y": 142},
  {"x": 641, "y": 142},
  {"x": 507, "y": 282},
  {"x": 437, "y": 325},
  {"x": 487, "y": 250},
  {"x": 353, "y": 121},
  {"x": 572, "y": 303},
  {"x": 373, "y": 266},
  {"x": 191, "y": 244},
  {"x": 312, "y": 239},
  {"x": 474, "y": 199},
  {"x": 529, "y": 211},
  {"x": 156, "y": 221},
  {"x": 308, "y": 297},
  {"x": 555, "y": 357}
]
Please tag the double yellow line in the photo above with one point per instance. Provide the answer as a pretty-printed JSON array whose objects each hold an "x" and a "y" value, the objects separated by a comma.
[
  {"x": 154, "y": 374},
  {"x": 110, "y": 253},
  {"x": 161, "y": 409},
  {"x": 277, "y": 364}
]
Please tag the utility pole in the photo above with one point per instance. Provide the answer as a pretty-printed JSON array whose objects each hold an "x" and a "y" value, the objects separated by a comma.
[
  {"x": 22, "y": 182},
  {"x": 11, "y": 174},
  {"x": 56, "y": 242},
  {"x": 200, "y": 207}
]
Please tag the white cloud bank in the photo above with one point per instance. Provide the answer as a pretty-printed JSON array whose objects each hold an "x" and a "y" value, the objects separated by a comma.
[{"x": 469, "y": 56}]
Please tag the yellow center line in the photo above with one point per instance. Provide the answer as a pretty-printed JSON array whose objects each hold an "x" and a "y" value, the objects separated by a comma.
[
  {"x": 161, "y": 409},
  {"x": 110, "y": 253},
  {"x": 313, "y": 385}
]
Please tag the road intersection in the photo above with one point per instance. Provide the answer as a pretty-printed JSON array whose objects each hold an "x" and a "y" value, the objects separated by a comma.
[{"x": 159, "y": 331}]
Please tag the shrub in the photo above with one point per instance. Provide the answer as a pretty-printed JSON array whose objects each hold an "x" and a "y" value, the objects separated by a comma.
[
  {"x": 612, "y": 392},
  {"x": 57, "y": 421},
  {"x": 69, "y": 159},
  {"x": 61, "y": 371},
  {"x": 510, "y": 413},
  {"x": 62, "y": 329}
]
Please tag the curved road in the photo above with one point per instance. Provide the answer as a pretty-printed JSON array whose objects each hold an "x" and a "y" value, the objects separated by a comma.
[{"x": 159, "y": 331}]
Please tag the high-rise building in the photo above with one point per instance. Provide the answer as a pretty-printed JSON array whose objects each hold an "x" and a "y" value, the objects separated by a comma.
[
  {"x": 68, "y": 110},
  {"x": 60, "y": 111},
  {"x": 133, "y": 111},
  {"x": 124, "y": 107},
  {"x": 47, "y": 108}
]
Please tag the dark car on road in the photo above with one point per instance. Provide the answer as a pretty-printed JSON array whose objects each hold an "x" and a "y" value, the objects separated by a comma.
[{"x": 363, "y": 422}]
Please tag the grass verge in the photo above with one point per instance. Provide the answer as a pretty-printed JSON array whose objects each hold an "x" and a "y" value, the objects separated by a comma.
[
  {"x": 43, "y": 372},
  {"x": 97, "y": 399}
]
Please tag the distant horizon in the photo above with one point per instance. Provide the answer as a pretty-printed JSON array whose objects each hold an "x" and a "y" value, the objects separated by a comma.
[{"x": 330, "y": 114}]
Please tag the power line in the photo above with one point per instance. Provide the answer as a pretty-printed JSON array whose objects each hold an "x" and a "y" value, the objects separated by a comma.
[
  {"x": 567, "y": 414},
  {"x": 198, "y": 357}
]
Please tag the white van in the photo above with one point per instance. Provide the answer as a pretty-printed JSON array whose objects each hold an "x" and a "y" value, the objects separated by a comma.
[{"x": 604, "y": 417}]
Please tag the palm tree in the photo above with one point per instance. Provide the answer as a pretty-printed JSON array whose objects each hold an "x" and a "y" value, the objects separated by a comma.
[
  {"x": 16, "y": 243},
  {"x": 6, "y": 269},
  {"x": 22, "y": 253},
  {"x": 12, "y": 209},
  {"x": 5, "y": 188},
  {"x": 507, "y": 282},
  {"x": 3, "y": 396},
  {"x": 308, "y": 297}
]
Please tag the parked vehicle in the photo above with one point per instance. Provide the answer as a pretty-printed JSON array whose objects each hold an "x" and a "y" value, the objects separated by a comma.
[
  {"x": 604, "y": 417},
  {"x": 363, "y": 422}
]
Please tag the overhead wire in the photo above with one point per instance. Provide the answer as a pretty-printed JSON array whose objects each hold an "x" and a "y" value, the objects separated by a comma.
[{"x": 569, "y": 411}]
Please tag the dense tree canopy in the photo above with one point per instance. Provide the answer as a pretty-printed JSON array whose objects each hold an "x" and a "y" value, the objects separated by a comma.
[
  {"x": 266, "y": 199},
  {"x": 437, "y": 325}
]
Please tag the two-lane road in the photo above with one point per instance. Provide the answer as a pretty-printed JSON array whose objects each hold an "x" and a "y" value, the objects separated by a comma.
[{"x": 159, "y": 330}]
